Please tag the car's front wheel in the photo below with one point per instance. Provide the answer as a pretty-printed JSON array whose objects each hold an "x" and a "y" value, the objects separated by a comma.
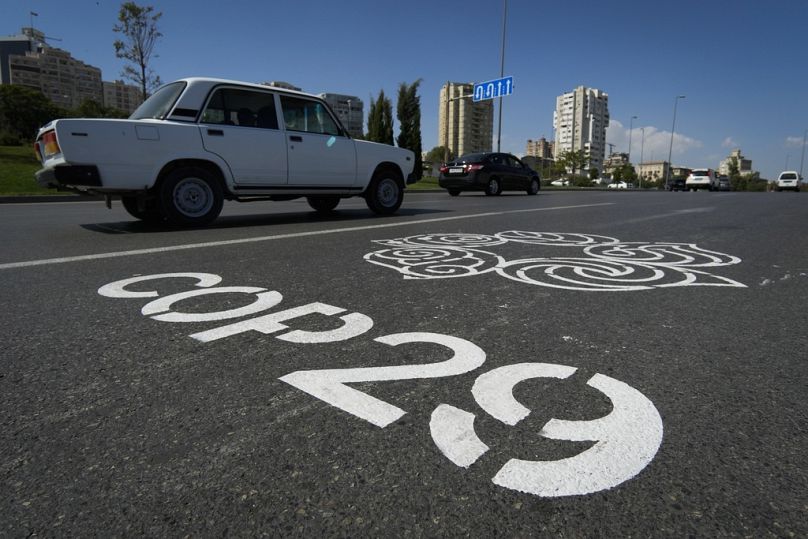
[
  {"x": 385, "y": 192},
  {"x": 534, "y": 186},
  {"x": 190, "y": 196},
  {"x": 323, "y": 204}
]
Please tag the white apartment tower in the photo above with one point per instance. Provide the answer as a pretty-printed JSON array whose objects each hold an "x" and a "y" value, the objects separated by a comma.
[
  {"x": 580, "y": 121},
  {"x": 464, "y": 126}
]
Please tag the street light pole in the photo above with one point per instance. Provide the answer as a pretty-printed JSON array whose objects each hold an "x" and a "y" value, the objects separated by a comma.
[
  {"x": 670, "y": 149},
  {"x": 642, "y": 149},
  {"x": 630, "y": 127},
  {"x": 802, "y": 157},
  {"x": 502, "y": 74}
]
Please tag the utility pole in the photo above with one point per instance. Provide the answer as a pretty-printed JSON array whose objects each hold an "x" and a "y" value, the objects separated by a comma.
[{"x": 502, "y": 74}]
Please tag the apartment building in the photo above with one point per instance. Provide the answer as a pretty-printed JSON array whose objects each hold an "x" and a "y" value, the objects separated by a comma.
[
  {"x": 350, "y": 111},
  {"x": 464, "y": 126},
  {"x": 539, "y": 148},
  {"x": 580, "y": 121},
  {"x": 653, "y": 171},
  {"x": 66, "y": 81},
  {"x": 121, "y": 96},
  {"x": 744, "y": 164}
]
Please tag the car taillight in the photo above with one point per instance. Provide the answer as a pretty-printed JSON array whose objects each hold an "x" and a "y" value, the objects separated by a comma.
[
  {"x": 474, "y": 166},
  {"x": 38, "y": 153},
  {"x": 444, "y": 169},
  {"x": 48, "y": 145}
]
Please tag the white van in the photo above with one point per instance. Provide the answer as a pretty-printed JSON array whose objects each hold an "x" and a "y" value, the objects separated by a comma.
[
  {"x": 788, "y": 179},
  {"x": 702, "y": 178}
]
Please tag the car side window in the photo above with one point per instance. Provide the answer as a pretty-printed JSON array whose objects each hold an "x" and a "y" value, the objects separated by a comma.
[
  {"x": 308, "y": 116},
  {"x": 496, "y": 159},
  {"x": 245, "y": 108}
]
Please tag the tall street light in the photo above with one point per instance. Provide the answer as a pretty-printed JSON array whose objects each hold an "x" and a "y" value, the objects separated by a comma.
[
  {"x": 502, "y": 74},
  {"x": 630, "y": 127},
  {"x": 642, "y": 149},
  {"x": 802, "y": 157},
  {"x": 670, "y": 149}
]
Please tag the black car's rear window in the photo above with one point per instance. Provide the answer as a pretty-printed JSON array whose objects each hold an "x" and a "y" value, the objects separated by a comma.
[{"x": 471, "y": 158}]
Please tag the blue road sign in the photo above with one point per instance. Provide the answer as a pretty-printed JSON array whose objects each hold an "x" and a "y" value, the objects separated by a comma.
[{"x": 493, "y": 88}]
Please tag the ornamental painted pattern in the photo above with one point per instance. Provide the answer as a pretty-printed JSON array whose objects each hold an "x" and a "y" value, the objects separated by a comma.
[{"x": 595, "y": 263}]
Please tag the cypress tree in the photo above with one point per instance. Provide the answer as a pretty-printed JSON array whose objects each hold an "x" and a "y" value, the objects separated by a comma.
[{"x": 408, "y": 111}]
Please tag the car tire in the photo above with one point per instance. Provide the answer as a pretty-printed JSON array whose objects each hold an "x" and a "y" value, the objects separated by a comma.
[
  {"x": 150, "y": 212},
  {"x": 323, "y": 204},
  {"x": 454, "y": 192},
  {"x": 493, "y": 188},
  {"x": 533, "y": 188},
  {"x": 190, "y": 196},
  {"x": 385, "y": 192}
]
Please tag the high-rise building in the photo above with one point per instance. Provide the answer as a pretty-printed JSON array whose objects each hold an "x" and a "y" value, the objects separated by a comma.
[
  {"x": 464, "y": 126},
  {"x": 539, "y": 148},
  {"x": 580, "y": 121},
  {"x": 28, "y": 61},
  {"x": 350, "y": 111}
]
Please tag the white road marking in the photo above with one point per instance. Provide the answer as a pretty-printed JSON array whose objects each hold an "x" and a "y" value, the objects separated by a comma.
[{"x": 170, "y": 248}]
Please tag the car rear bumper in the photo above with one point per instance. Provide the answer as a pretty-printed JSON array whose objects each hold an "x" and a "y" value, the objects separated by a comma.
[
  {"x": 69, "y": 175},
  {"x": 470, "y": 181}
]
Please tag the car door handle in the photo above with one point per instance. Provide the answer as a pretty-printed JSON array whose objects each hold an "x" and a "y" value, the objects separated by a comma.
[
  {"x": 295, "y": 138},
  {"x": 215, "y": 132}
]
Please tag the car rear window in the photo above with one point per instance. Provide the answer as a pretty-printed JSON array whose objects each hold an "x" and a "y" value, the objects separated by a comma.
[
  {"x": 788, "y": 176},
  {"x": 700, "y": 173},
  {"x": 160, "y": 102},
  {"x": 470, "y": 158}
]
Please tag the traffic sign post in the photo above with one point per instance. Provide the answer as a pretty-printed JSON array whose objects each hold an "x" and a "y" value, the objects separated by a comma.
[{"x": 493, "y": 88}]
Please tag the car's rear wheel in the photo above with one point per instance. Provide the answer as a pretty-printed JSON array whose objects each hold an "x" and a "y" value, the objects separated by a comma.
[
  {"x": 454, "y": 192},
  {"x": 323, "y": 204},
  {"x": 148, "y": 211},
  {"x": 190, "y": 196},
  {"x": 385, "y": 192},
  {"x": 533, "y": 188},
  {"x": 493, "y": 188}
]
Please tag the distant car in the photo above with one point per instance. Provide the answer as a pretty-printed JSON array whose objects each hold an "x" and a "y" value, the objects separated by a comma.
[
  {"x": 619, "y": 185},
  {"x": 702, "y": 178},
  {"x": 199, "y": 141},
  {"x": 788, "y": 179},
  {"x": 676, "y": 184},
  {"x": 601, "y": 181},
  {"x": 489, "y": 172},
  {"x": 560, "y": 183},
  {"x": 724, "y": 184}
]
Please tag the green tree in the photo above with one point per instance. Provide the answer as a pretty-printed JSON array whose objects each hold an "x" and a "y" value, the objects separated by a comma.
[
  {"x": 380, "y": 120},
  {"x": 93, "y": 109},
  {"x": 436, "y": 154},
  {"x": 138, "y": 26},
  {"x": 593, "y": 173},
  {"x": 23, "y": 111},
  {"x": 572, "y": 161},
  {"x": 408, "y": 112}
]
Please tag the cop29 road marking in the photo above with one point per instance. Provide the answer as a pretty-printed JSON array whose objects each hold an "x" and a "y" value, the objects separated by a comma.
[{"x": 223, "y": 243}]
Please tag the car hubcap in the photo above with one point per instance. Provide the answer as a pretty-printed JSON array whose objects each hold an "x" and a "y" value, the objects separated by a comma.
[
  {"x": 193, "y": 197},
  {"x": 387, "y": 192},
  {"x": 493, "y": 187}
]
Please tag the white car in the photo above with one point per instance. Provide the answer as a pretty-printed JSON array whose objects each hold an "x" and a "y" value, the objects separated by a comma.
[
  {"x": 560, "y": 183},
  {"x": 702, "y": 178},
  {"x": 618, "y": 185},
  {"x": 199, "y": 141},
  {"x": 789, "y": 179}
]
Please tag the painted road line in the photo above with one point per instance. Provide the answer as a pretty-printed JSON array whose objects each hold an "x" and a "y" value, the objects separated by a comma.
[{"x": 223, "y": 243}]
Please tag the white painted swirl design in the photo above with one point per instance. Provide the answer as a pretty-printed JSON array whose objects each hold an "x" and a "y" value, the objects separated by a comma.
[{"x": 606, "y": 265}]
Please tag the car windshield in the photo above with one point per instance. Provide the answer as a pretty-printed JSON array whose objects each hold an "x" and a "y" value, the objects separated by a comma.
[
  {"x": 788, "y": 176},
  {"x": 160, "y": 102},
  {"x": 471, "y": 158}
]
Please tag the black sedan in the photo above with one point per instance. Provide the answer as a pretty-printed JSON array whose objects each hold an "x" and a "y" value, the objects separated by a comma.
[{"x": 489, "y": 172}]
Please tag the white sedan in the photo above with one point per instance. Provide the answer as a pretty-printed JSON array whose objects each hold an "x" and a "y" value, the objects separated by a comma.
[{"x": 197, "y": 142}]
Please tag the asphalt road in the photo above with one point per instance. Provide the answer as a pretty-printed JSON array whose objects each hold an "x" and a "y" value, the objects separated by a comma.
[{"x": 571, "y": 364}]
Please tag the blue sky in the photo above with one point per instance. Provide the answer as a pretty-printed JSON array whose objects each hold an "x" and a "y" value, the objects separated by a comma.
[{"x": 741, "y": 64}]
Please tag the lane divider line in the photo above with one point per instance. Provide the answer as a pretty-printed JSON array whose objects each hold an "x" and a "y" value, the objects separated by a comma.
[{"x": 222, "y": 243}]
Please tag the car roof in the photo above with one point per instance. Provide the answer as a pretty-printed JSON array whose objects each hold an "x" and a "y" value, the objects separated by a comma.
[{"x": 212, "y": 81}]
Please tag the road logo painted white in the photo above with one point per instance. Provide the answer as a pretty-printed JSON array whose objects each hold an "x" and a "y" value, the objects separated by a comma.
[
  {"x": 626, "y": 440},
  {"x": 601, "y": 263}
]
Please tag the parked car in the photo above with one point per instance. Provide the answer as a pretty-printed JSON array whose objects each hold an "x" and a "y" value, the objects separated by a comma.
[
  {"x": 199, "y": 141},
  {"x": 601, "y": 181},
  {"x": 788, "y": 179},
  {"x": 560, "y": 183},
  {"x": 724, "y": 184},
  {"x": 489, "y": 172},
  {"x": 619, "y": 185},
  {"x": 702, "y": 178},
  {"x": 676, "y": 184}
]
